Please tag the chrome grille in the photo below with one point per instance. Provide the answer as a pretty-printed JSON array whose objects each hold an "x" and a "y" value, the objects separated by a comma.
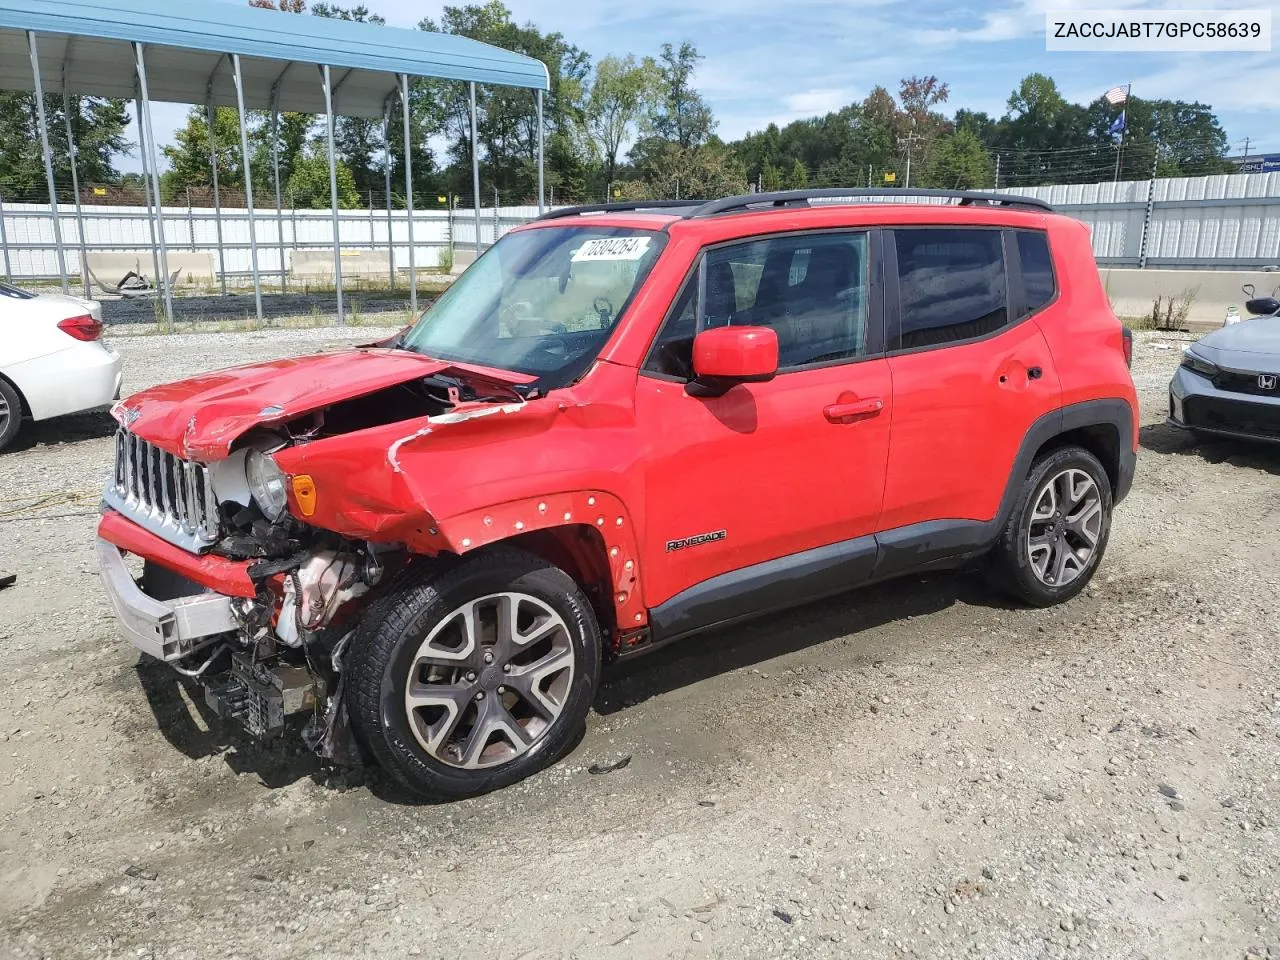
[{"x": 171, "y": 497}]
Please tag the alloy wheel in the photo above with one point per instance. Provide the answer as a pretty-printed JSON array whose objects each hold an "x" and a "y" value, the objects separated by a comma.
[
  {"x": 489, "y": 680},
  {"x": 5, "y": 413},
  {"x": 1065, "y": 526}
]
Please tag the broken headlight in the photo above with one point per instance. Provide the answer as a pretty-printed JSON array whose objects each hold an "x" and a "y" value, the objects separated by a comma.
[{"x": 266, "y": 484}]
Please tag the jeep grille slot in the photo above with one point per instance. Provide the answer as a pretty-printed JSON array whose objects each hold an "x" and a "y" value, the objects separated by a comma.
[{"x": 171, "y": 497}]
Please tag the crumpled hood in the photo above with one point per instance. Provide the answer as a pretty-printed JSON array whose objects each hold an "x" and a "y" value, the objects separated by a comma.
[{"x": 201, "y": 417}]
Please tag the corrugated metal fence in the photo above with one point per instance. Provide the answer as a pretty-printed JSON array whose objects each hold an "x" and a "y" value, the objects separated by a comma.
[
  {"x": 28, "y": 250},
  {"x": 1229, "y": 221},
  {"x": 1220, "y": 222}
]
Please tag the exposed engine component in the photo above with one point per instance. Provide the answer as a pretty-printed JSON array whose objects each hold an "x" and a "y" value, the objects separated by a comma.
[
  {"x": 261, "y": 697},
  {"x": 315, "y": 590}
]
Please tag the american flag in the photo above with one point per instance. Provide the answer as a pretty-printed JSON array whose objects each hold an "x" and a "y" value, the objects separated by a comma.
[{"x": 1116, "y": 95}]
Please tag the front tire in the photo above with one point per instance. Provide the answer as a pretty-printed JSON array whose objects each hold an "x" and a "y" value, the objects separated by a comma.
[
  {"x": 10, "y": 413},
  {"x": 1057, "y": 534},
  {"x": 471, "y": 680}
]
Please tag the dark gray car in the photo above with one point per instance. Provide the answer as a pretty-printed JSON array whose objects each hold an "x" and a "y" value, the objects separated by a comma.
[{"x": 1229, "y": 381}]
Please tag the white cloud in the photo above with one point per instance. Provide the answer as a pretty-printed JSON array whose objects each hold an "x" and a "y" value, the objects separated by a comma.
[{"x": 822, "y": 100}]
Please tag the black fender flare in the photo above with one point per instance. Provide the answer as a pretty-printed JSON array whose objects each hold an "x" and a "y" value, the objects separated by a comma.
[{"x": 1113, "y": 412}]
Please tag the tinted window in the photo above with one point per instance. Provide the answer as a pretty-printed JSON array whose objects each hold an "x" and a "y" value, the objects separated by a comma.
[
  {"x": 812, "y": 290},
  {"x": 7, "y": 290},
  {"x": 951, "y": 283},
  {"x": 1037, "y": 269}
]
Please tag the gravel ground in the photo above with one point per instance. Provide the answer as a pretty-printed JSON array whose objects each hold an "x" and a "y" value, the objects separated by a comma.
[{"x": 916, "y": 770}]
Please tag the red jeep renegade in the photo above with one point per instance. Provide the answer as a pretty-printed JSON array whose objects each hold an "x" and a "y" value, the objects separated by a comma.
[{"x": 621, "y": 426}]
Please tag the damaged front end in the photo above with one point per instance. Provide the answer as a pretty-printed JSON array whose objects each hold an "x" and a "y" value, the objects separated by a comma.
[{"x": 242, "y": 589}]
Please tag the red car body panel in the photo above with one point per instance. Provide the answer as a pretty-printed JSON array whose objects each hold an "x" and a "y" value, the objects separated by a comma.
[
  {"x": 813, "y": 457},
  {"x": 229, "y": 577},
  {"x": 200, "y": 417}
]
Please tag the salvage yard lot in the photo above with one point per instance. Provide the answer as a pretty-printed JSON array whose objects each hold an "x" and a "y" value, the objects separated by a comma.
[{"x": 916, "y": 770}]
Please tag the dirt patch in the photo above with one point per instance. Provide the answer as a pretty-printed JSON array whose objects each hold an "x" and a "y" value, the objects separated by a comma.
[{"x": 917, "y": 770}]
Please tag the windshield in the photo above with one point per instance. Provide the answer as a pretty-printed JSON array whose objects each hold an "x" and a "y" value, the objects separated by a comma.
[{"x": 540, "y": 302}]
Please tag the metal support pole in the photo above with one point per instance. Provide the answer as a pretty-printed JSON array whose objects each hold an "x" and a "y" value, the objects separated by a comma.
[
  {"x": 275, "y": 171},
  {"x": 144, "y": 100},
  {"x": 217, "y": 195},
  {"x": 4, "y": 245},
  {"x": 143, "y": 154},
  {"x": 333, "y": 192},
  {"x": 541, "y": 161},
  {"x": 386, "y": 162},
  {"x": 475, "y": 165},
  {"x": 75, "y": 180},
  {"x": 48, "y": 160},
  {"x": 1151, "y": 199},
  {"x": 248, "y": 184},
  {"x": 275, "y": 168},
  {"x": 408, "y": 191}
]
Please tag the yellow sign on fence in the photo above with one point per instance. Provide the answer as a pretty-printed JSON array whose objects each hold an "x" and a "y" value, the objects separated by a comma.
[
  {"x": 99, "y": 191},
  {"x": 890, "y": 177}
]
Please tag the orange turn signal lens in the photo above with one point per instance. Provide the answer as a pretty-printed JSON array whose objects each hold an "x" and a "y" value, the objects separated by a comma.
[{"x": 304, "y": 493}]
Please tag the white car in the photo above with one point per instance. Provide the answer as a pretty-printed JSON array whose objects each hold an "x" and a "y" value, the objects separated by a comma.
[{"x": 52, "y": 359}]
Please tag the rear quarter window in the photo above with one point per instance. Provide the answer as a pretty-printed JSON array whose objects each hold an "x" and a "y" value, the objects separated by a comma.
[{"x": 1038, "y": 283}]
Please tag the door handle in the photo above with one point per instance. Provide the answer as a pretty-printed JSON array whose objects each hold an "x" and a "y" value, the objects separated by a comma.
[{"x": 846, "y": 412}]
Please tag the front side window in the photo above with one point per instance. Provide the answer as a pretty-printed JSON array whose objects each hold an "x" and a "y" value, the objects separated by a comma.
[
  {"x": 952, "y": 285},
  {"x": 812, "y": 290},
  {"x": 540, "y": 302}
]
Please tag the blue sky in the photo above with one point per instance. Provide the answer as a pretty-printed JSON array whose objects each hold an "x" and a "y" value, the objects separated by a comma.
[{"x": 769, "y": 61}]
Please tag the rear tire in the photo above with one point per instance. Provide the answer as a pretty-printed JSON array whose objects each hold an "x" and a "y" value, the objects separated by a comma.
[
  {"x": 474, "y": 677},
  {"x": 10, "y": 413},
  {"x": 1057, "y": 533}
]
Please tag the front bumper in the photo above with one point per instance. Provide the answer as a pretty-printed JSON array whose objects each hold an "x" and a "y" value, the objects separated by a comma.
[
  {"x": 164, "y": 629},
  {"x": 1196, "y": 404}
]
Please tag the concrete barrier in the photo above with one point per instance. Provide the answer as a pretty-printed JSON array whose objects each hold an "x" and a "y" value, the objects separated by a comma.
[
  {"x": 1207, "y": 293},
  {"x": 109, "y": 266}
]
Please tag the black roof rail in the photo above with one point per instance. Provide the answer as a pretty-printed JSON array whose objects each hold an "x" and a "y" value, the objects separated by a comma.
[
  {"x": 797, "y": 198},
  {"x": 623, "y": 206}
]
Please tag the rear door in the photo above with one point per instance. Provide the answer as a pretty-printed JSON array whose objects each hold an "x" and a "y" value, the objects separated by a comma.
[
  {"x": 971, "y": 372},
  {"x": 771, "y": 470}
]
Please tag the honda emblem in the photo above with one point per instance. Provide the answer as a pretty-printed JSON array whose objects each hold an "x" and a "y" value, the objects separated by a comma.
[{"x": 1267, "y": 381}]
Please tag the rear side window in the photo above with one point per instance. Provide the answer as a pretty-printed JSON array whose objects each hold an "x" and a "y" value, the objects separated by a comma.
[
  {"x": 952, "y": 285},
  {"x": 1038, "y": 286}
]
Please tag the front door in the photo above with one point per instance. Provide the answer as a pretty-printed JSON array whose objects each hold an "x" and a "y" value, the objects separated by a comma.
[{"x": 768, "y": 472}]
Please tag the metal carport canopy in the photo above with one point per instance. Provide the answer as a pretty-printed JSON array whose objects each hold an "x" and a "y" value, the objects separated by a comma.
[{"x": 85, "y": 48}]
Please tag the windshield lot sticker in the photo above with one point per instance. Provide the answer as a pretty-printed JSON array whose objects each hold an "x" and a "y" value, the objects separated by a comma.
[{"x": 612, "y": 248}]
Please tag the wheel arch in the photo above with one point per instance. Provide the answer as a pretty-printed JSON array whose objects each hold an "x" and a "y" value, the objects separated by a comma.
[
  {"x": 588, "y": 534},
  {"x": 1104, "y": 427},
  {"x": 24, "y": 407}
]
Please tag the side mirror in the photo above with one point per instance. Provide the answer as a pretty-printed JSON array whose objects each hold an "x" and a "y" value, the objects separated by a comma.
[
  {"x": 1263, "y": 306},
  {"x": 727, "y": 356}
]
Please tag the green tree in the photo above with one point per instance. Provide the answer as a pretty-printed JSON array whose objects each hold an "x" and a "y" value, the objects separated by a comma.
[
  {"x": 98, "y": 131},
  {"x": 680, "y": 115},
  {"x": 309, "y": 183},
  {"x": 959, "y": 162},
  {"x": 798, "y": 179},
  {"x": 188, "y": 157},
  {"x": 508, "y": 131},
  {"x": 770, "y": 177},
  {"x": 622, "y": 92}
]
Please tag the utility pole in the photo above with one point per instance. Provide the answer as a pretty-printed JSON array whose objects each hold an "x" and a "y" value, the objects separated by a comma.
[
  {"x": 910, "y": 140},
  {"x": 997, "y": 171},
  {"x": 1246, "y": 148}
]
